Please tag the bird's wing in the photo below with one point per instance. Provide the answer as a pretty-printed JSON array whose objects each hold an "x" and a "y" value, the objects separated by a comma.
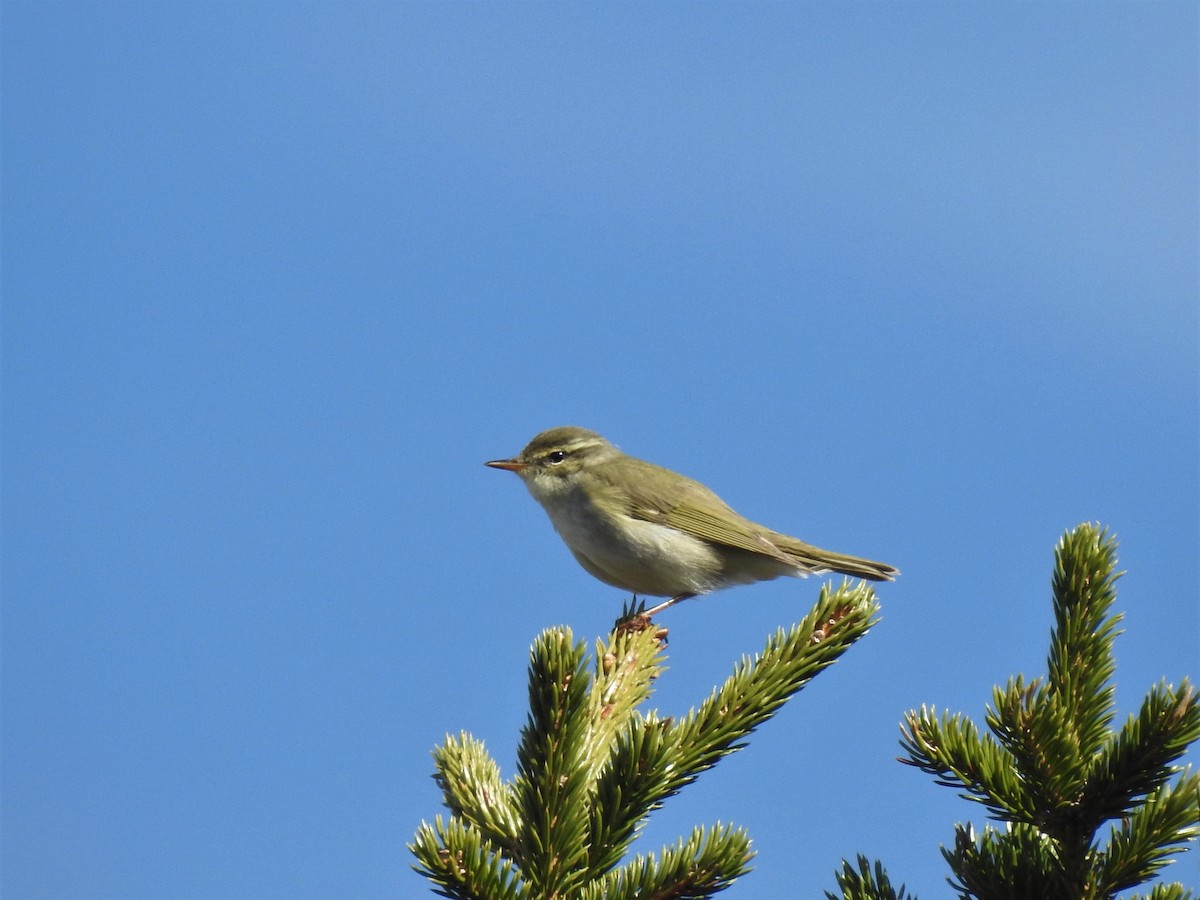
[{"x": 692, "y": 508}]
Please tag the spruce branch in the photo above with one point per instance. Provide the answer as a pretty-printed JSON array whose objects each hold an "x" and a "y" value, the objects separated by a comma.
[
  {"x": 1036, "y": 731},
  {"x": 706, "y": 863},
  {"x": 1015, "y": 864},
  {"x": 1139, "y": 759},
  {"x": 1166, "y": 892},
  {"x": 1081, "y": 662},
  {"x": 653, "y": 759},
  {"x": 1051, "y": 767},
  {"x": 1146, "y": 840},
  {"x": 472, "y": 790},
  {"x": 952, "y": 750},
  {"x": 459, "y": 862},
  {"x": 758, "y": 687},
  {"x": 632, "y": 750},
  {"x": 552, "y": 783},
  {"x": 867, "y": 883},
  {"x": 624, "y": 674},
  {"x": 592, "y": 766},
  {"x": 632, "y": 784}
]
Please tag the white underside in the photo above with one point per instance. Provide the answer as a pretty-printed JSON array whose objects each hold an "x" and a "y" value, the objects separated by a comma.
[{"x": 645, "y": 557}]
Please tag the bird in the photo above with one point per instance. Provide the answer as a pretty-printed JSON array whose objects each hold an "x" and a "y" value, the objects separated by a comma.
[{"x": 645, "y": 529}]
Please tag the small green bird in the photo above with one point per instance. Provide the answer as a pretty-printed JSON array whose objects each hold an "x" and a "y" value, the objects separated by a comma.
[{"x": 651, "y": 531}]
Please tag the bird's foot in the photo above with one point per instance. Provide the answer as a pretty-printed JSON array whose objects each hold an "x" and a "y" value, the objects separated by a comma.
[{"x": 634, "y": 618}]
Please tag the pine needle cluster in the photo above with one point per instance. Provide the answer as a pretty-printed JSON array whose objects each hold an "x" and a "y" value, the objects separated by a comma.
[
  {"x": 592, "y": 766},
  {"x": 1088, "y": 810}
]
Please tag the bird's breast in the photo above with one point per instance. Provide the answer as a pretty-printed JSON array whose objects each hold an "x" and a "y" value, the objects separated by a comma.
[{"x": 633, "y": 554}]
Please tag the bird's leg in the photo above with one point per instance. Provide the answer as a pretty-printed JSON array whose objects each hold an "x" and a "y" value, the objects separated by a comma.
[
  {"x": 640, "y": 621},
  {"x": 666, "y": 604}
]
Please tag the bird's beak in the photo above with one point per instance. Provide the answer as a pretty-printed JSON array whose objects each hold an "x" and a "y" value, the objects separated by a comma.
[{"x": 513, "y": 465}]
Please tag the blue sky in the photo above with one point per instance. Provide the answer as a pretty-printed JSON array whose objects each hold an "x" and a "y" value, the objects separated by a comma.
[{"x": 917, "y": 282}]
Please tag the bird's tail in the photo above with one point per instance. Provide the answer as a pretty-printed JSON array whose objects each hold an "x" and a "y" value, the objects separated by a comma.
[{"x": 816, "y": 560}]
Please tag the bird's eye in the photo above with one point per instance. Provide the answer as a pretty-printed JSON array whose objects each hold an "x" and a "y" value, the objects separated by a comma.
[{"x": 556, "y": 456}]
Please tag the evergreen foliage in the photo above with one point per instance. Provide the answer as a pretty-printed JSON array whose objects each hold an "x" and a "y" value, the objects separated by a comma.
[
  {"x": 867, "y": 882},
  {"x": 592, "y": 766},
  {"x": 1088, "y": 811}
]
